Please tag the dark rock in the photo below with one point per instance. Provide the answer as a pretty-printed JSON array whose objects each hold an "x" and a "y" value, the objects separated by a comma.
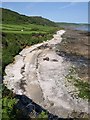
[
  {"x": 46, "y": 58},
  {"x": 54, "y": 60},
  {"x": 27, "y": 106}
]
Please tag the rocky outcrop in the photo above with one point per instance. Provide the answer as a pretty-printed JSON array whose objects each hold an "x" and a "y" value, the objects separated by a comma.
[{"x": 39, "y": 73}]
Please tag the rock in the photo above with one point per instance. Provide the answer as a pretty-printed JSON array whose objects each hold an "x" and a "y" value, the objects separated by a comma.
[
  {"x": 44, "y": 82},
  {"x": 46, "y": 58},
  {"x": 54, "y": 60},
  {"x": 31, "y": 109}
]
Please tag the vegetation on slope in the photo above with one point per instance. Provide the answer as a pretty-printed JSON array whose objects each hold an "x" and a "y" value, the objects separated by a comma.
[
  {"x": 83, "y": 86},
  {"x": 19, "y": 31},
  {"x": 14, "y": 39},
  {"x": 16, "y": 18},
  {"x": 9, "y": 111}
]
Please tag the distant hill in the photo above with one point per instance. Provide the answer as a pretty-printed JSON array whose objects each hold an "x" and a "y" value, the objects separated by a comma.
[
  {"x": 11, "y": 17},
  {"x": 74, "y": 26},
  {"x": 65, "y": 24}
]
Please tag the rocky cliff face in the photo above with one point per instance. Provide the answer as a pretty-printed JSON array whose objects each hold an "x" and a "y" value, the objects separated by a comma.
[{"x": 39, "y": 73}]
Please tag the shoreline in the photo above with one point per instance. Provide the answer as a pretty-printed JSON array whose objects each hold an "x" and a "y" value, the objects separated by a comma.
[{"x": 75, "y": 48}]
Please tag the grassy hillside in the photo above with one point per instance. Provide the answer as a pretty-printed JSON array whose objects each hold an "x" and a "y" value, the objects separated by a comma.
[
  {"x": 14, "y": 40},
  {"x": 11, "y": 17},
  {"x": 19, "y": 31}
]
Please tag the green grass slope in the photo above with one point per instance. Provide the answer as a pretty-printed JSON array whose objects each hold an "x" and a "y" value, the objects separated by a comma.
[
  {"x": 19, "y": 31},
  {"x": 11, "y": 17},
  {"x": 14, "y": 40},
  {"x": 35, "y": 30}
]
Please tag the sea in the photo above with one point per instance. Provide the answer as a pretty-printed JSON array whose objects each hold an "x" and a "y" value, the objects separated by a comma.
[{"x": 83, "y": 28}]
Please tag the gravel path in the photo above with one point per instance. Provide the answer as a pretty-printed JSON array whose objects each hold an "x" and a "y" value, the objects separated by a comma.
[{"x": 39, "y": 73}]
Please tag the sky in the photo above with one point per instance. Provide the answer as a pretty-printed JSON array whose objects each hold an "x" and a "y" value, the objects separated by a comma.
[{"x": 72, "y": 12}]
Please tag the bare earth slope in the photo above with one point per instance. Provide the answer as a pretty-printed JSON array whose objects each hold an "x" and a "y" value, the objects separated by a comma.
[{"x": 39, "y": 73}]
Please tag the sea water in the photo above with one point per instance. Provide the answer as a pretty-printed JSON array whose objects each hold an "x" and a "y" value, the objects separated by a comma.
[{"x": 83, "y": 27}]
